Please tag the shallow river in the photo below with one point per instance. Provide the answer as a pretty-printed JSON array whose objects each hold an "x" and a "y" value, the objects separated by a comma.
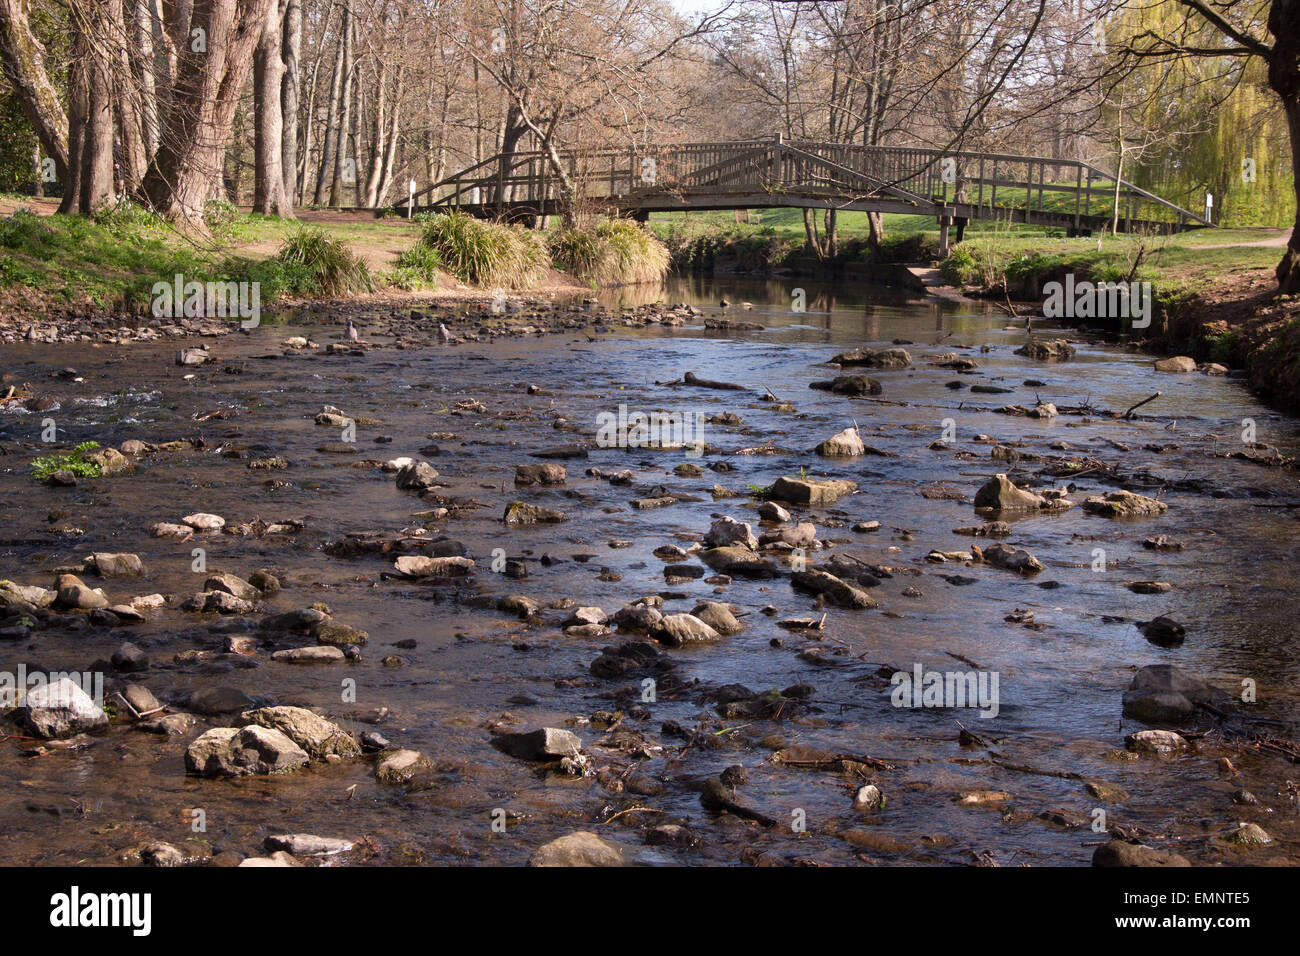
[{"x": 1059, "y": 718}]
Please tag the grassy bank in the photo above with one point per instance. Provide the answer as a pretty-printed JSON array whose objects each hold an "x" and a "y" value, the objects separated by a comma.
[
  {"x": 112, "y": 261},
  {"x": 993, "y": 258}
]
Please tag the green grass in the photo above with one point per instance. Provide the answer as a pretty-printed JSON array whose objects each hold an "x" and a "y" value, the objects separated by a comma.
[{"x": 76, "y": 461}]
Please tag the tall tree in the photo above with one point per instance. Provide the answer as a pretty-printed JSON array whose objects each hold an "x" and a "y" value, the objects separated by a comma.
[{"x": 1240, "y": 30}]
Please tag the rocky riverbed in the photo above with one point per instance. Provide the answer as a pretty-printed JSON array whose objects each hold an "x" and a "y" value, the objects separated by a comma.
[{"x": 440, "y": 594}]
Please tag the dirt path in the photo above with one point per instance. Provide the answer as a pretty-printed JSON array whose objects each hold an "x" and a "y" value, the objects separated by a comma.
[{"x": 1275, "y": 242}]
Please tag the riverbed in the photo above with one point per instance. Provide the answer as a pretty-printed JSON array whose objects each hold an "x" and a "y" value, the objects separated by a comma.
[{"x": 1013, "y": 791}]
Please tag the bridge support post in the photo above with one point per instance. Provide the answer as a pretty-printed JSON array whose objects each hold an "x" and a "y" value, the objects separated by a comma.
[{"x": 945, "y": 221}]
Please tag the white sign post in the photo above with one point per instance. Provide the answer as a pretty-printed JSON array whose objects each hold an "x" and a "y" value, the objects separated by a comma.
[
  {"x": 1209, "y": 207},
  {"x": 410, "y": 200}
]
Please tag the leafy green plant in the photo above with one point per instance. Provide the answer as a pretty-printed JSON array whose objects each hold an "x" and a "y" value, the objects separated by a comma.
[
  {"x": 960, "y": 268},
  {"x": 77, "y": 461},
  {"x": 419, "y": 266}
]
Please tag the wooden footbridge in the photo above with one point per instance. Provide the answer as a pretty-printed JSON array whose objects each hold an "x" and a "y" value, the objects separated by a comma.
[{"x": 954, "y": 187}]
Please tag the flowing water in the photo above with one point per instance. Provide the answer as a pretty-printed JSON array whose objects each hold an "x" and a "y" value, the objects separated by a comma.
[{"x": 473, "y": 668}]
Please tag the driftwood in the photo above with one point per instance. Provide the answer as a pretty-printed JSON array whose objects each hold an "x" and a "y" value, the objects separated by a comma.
[
  {"x": 690, "y": 378},
  {"x": 1134, "y": 408}
]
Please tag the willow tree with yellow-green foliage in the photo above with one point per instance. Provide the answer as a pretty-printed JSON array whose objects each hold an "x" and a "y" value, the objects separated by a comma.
[
  {"x": 1199, "y": 125},
  {"x": 1228, "y": 46}
]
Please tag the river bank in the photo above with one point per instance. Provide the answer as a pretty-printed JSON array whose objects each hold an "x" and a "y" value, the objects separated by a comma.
[{"x": 521, "y": 574}]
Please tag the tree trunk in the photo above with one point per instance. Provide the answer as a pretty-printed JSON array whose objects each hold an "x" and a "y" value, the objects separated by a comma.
[
  {"x": 78, "y": 110},
  {"x": 345, "y": 112},
  {"x": 291, "y": 48},
  {"x": 390, "y": 157},
  {"x": 207, "y": 84},
  {"x": 142, "y": 61},
  {"x": 95, "y": 24},
  {"x": 22, "y": 58},
  {"x": 129, "y": 105},
  {"x": 269, "y": 196},
  {"x": 875, "y": 230},
  {"x": 1284, "y": 79},
  {"x": 377, "y": 142},
  {"x": 810, "y": 230},
  {"x": 331, "y": 121}
]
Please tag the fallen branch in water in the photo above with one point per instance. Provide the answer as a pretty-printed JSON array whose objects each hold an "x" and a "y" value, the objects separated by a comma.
[
  {"x": 1151, "y": 398},
  {"x": 690, "y": 378}
]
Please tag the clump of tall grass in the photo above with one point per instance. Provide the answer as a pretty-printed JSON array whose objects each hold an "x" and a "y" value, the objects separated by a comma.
[
  {"x": 484, "y": 253},
  {"x": 318, "y": 263},
  {"x": 613, "y": 252}
]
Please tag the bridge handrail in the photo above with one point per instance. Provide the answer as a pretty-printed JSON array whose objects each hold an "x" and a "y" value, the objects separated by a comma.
[{"x": 496, "y": 173}]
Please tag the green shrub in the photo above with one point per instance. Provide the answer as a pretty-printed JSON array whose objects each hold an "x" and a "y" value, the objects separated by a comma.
[
  {"x": 484, "y": 253},
  {"x": 960, "y": 267},
  {"x": 613, "y": 252},
  {"x": 419, "y": 265},
  {"x": 77, "y": 461},
  {"x": 317, "y": 264}
]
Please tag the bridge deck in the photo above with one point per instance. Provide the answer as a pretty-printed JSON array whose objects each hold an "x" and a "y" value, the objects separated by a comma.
[{"x": 1065, "y": 193}]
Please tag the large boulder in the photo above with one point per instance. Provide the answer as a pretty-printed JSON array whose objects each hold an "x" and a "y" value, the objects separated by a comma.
[
  {"x": 237, "y": 752},
  {"x": 999, "y": 493},
  {"x": 807, "y": 491},
  {"x": 718, "y": 616},
  {"x": 1117, "y": 853},
  {"x": 676, "y": 630},
  {"x": 59, "y": 709},
  {"x": 399, "y": 766},
  {"x": 852, "y": 385},
  {"x": 1124, "y": 504},
  {"x": 736, "y": 559},
  {"x": 544, "y": 474},
  {"x": 545, "y": 743},
  {"x": 1179, "y": 364},
  {"x": 418, "y": 566},
  {"x": 836, "y": 590},
  {"x": 233, "y": 585},
  {"x": 111, "y": 461},
  {"x": 108, "y": 565},
  {"x": 521, "y": 512},
  {"x": 1047, "y": 350},
  {"x": 874, "y": 358},
  {"x": 727, "y": 531},
  {"x": 419, "y": 476},
  {"x": 847, "y": 443},
  {"x": 1012, "y": 559},
  {"x": 22, "y": 598},
  {"x": 581, "y": 849},
  {"x": 74, "y": 595},
  {"x": 1165, "y": 694},
  {"x": 318, "y": 737}
]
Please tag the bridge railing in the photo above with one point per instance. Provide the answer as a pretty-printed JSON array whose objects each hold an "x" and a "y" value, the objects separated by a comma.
[{"x": 707, "y": 175}]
